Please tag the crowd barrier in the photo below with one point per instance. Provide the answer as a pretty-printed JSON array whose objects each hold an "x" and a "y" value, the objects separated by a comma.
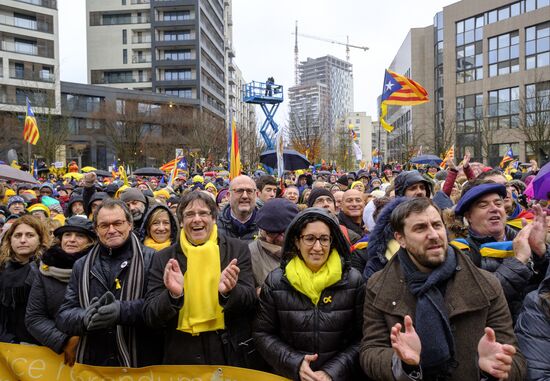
[{"x": 27, "y": 362}]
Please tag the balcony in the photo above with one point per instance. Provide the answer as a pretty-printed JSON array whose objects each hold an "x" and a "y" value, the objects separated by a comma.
[
  {"x": 134, "y": 2},
  {"x": 41, "y": 3},
  {"x": 141, "y": 39},
  {"x": 141, "y": 59},
  {"x": 122, "y": 79},
  {"x": 41, "y": 50},
  {"x": 28, "y": 75},
  {"x": 40, "y": 26}
]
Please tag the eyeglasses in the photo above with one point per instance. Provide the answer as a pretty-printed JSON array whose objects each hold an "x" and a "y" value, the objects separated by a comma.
[
  {"x": 240, "y": 191},
  {"x": 202, "y": 214},
  {"x": 106, "y": 226},
  {"x": 310, "y": 239}
]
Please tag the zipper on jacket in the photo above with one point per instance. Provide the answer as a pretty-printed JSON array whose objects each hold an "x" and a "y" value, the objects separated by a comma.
[{"x": 316, "y": 327}]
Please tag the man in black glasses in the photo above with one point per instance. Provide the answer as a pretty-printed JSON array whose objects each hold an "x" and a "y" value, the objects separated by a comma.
[{"x": 238, "y": 218}]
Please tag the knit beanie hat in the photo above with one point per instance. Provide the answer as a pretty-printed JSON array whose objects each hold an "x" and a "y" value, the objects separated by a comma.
[
  {"x": 132, "y": 194},
  {"x": 343, "y": 180},
  {"x": 318, "y": 192},
  {"x": 14, "y": 199},
  {"x": 39, "y": 207}
]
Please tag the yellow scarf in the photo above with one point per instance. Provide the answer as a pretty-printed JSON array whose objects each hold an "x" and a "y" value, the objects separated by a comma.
[
  {"x": 201, "y": 311},
  {"x": 312, "y": 284},
  {"x": 150, "y": 242}
]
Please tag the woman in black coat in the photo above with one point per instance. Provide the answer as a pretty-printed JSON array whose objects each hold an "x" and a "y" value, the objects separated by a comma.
[
  {"x": 21, "y": 246},
  {"x": 48, "y": 289},
  {"x": 309, "y": 320}
]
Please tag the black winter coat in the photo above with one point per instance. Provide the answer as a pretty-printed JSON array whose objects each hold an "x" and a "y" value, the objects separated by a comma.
[
  {"x": 15, "y": 285},
  {"x": 231, "y": 229},
  {"x": 161, "y": 310},
  {"x": 46, "y": 296},
  {"x": 288, "y": 326},
  {"x": 101, "y": 344}
]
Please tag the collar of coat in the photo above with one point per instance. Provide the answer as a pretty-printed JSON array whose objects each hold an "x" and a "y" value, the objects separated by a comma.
[{"x": 394, "y": 298}]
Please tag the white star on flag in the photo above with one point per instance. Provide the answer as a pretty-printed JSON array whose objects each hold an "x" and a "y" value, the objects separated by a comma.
[{"x": 389, "y": 85}]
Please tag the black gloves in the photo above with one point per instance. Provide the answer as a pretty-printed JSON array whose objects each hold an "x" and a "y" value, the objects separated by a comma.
[
  {"x": 90, "y": 311},
  {"x": 107, "y": 313}
]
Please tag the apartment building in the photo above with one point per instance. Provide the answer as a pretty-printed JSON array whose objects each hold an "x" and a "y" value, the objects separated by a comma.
[
  {"x": 29, "y": 56},
  {"x": 164, "y": 46}
]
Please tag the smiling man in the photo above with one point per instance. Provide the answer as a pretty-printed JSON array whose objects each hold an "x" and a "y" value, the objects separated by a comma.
[
  {"x": 448, "y": 333},
  {"x": 238, "y": 218},
  {"x": 514, "y": 258},
  {"x": 104, "y": 299},
  {"x": 200, "y": 289},
  {"x": 351, "y": 213}
]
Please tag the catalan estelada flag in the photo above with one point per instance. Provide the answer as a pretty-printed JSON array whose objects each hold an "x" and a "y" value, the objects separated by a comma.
[
  {"x": 509, "y": 156},
  {"x": 233, "y": 154},
  {"x": 170, "y": 165},
  {"x": 30, "y": 131},
  {"x": 399, "y": 90}
]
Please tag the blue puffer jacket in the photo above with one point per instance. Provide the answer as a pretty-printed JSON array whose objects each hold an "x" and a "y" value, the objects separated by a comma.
[{"x": 533, "y": 332}]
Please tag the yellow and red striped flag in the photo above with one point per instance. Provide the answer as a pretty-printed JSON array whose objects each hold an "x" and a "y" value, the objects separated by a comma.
[
  {"x": 450, "y": 155},
  {"x": 234, "y": 156},
  {"x": 30, "y": 131},
  {"x": 170, "y": 165}
]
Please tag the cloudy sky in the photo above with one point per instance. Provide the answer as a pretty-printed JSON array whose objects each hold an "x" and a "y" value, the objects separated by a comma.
[{"x": 264, "y": 44}]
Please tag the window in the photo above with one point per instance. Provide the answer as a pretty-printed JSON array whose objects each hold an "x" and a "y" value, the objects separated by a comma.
[
  {"x": 25, "y": 46},
  {"x": 504, "y": 108},
  {"x": 537, "y": 104},
  {"x": 357, "y": 121},
  {"x": 177, "y": 16},
  {"x": 118, "y": 77},
  {"x": 24, "y": 21},
  {"x": 19, "y": 70},
  {"x": 177, "y": 55},
  {"x": 124, "y": 56},
  {"x": 469, "y": 113},
  {"x": 537, "y": 46},
  {"x": 118, "y": 18},
  {"x": 177, "y": 75},
  {"x": 178, "y": 35},
  {"x": 182, "y": 93},
  {"x": 504, "y": 54},
  {"x": 124, "y": 36},
  {"x": 469, "y": 51}
]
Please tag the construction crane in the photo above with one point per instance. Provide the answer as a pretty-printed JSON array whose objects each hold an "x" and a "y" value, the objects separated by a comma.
[{"x": 296, "y": 59}]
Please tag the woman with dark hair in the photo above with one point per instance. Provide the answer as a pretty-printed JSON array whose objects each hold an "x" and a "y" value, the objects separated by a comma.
[
  {"x": 533, "y": 331},
  {"x": 309, "y": 320},
  {"x": 22, "y": 245},
  {"x": 73, "y": 240}
]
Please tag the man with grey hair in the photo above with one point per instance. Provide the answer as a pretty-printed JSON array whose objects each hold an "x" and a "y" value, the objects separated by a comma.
[{"x": 104, "y": 298}]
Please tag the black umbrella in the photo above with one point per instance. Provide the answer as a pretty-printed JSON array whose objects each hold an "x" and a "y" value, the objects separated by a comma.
[
  {"x": 101, "y": 172},
  {"x": 293, "y": 160},
  {"x": 148, "y": 171},
  {"x": 426, "y": 159}
]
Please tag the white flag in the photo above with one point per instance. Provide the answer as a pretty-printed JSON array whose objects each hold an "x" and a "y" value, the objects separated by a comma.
[
  {"x": 357, "y": 151},
  {"x": 280, "y": 154}
]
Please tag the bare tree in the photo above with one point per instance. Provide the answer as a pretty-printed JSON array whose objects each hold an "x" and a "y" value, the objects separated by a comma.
[
  {"x": 208, "y": 134},
  {"x": 308, "y": 132},
  {"x": 251, "y": 145},
  {"x": 446, "y": 136},
  {"x": 54, "y": 131},
  {"x": 344, "y": 155},
  {"x": 534, "y": 122},
  {"x": 486, "y": 139}
]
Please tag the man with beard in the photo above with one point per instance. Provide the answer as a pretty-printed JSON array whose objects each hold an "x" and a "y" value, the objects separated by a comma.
[
  {"x": 238, "y": 219},
  {"x": 137, "y": 203},
  {"x": 493, "y": 246},
  {"x": 449, "y": 334}
]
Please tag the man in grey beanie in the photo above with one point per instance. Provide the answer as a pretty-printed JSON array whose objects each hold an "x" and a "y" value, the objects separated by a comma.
[
  {"x": 272, "y": 220},
  {"x": 137, "y": 203}
]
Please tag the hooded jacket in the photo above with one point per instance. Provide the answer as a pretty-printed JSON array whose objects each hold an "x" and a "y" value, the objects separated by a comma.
[
  {"x": 72, "y": 200},
  {"x": 407, "y": 178},
  {"x": 142, "y": 231},
  {"x": 533, "y": 332},
  {"x": 288, "y": 325}
]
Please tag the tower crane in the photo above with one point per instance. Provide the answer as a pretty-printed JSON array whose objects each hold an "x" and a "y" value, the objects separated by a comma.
[{"x": 296, "y": 34}]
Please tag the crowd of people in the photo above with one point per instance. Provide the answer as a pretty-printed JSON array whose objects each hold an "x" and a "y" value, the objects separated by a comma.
[{"x": 379, "y": 274}]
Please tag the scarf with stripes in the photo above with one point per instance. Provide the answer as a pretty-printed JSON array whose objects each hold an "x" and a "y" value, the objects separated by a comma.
[{"x": 132, "y": 289}]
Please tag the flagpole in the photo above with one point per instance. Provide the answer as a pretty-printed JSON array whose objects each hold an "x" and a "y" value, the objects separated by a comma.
[
  {"x": 379, "y": 148},
  {"x": 29, "y": 154}
]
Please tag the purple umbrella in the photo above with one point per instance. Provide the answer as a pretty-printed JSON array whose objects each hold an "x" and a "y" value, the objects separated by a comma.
[{"x": 541, "y": 183}]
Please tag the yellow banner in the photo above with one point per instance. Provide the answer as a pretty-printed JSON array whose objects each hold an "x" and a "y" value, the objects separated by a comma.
[{"x": 26, "y": 363}]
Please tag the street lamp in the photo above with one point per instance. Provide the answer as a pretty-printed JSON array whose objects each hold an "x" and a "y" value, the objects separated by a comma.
[{"x": 79, "y": 150}]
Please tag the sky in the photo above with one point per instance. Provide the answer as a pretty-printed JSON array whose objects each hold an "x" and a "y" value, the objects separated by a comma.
[{"x": 264, "y": 44}]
